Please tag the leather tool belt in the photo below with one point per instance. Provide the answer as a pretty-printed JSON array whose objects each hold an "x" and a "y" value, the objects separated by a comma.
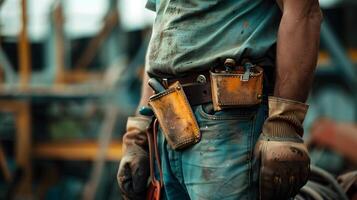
[{"x": 231, "y": 86}]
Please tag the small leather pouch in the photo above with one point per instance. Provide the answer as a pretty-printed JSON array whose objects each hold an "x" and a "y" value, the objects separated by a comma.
[
  {"x": 175, "y": 116},
  {"x": 238, "y": 87}
]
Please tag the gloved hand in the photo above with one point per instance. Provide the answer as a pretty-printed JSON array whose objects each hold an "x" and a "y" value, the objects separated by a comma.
[
  {"x": 134, "y": 168},
  {"x": 283, "y": 157}
]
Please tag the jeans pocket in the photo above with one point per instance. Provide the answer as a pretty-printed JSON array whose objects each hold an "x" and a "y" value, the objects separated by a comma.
[{"x": 219, "y": 166}]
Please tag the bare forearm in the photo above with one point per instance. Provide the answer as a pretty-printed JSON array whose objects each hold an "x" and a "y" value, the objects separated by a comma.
[
  {"x": 146, "y": 92},
  {"x": 297, "y": 48}
]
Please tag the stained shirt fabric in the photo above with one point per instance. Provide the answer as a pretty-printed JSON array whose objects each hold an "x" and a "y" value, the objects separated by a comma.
[{"x": 197, "y": 35}]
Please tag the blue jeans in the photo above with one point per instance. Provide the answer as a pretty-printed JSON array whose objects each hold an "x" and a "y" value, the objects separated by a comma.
[{"x": 221, "y": 165}]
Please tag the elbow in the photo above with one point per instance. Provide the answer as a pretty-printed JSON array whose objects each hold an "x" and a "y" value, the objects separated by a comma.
[
  {"x": 302, "y": 10},
  {"x": 314, "y": 13}
]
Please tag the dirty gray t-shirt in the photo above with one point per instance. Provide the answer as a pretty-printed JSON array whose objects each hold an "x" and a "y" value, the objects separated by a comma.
[{"x": 196, "y": 35}]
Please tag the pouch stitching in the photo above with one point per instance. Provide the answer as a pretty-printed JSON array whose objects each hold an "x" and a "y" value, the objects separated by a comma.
[
  {"x": 236, "y": 75},
  {"x": 184, "y": 143},
  {"x": 166, "y": 92},
  {"x": 254, "y": 75}
]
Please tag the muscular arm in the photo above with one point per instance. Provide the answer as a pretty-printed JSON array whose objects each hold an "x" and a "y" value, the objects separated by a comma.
[
  {"x": 297, "y": 48},
  {"x": 146, "y": 92}
]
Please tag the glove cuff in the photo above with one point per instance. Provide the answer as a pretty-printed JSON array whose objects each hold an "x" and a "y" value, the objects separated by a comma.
[
  {"x": 138, "y": 138},
  {"x": 138, "y": 122},
  {"x": 285, "y": 118}
]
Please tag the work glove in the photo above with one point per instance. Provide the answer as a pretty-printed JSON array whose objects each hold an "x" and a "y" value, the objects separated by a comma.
[
  {"x": 283, "y": 156},
  {"x": 134, "y": 168}
]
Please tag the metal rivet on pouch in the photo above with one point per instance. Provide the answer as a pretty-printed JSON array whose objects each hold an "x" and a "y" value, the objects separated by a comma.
[
  {"x": 230, "y": 62},
  {"x": 201, "y": 79},
  {"x": 260, "y": 96},
  {"x": 178, "y": 88}
]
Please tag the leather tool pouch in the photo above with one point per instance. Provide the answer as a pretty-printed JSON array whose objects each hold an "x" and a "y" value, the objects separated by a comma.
[
  {"x": 175, "y": 116},
  {"x": 238, "y": 87}
]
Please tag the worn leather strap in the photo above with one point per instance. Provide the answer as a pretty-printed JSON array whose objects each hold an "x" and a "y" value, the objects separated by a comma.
[
  {"x": 198, "y": 94},
  {"x": 154, "y": 190},
  {"x": 197, "y": 87}
]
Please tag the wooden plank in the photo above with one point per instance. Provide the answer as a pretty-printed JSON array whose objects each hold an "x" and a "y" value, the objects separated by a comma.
[
  {"x": 10, "y": 106},
  {"x": 23, "y": 149},
  {"x": 80, "y": 76},
  {"x": 24, "y": 48},
  {"x": 57, "y": 91},
  {"x": 324, "y": 58},
  {"x": 3, "y": 165},
  {"x": 59, "y": 42},
  {"x": 80, "y": 150},
  {"x": 21, "y": 109},
  {"x": 353, "y": 54}
]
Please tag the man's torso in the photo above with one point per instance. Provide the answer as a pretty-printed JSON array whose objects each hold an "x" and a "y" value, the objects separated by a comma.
[{"x": 197, "y": 35}]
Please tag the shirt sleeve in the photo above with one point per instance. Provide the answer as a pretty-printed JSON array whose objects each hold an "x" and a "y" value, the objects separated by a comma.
[{"x": 151, "y": 5}]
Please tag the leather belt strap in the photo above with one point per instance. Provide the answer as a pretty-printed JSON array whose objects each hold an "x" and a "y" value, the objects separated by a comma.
[
  {"x": 197, "y": 87},
  {"x": 198, "y": 94},
  {"x": 155, "y": 187}
]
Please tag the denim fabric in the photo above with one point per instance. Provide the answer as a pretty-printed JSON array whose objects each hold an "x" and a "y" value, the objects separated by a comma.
[{"x": 221, "y": 165}]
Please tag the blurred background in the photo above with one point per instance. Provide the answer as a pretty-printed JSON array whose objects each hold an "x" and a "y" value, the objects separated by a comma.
[{"x": 70, "y": 74}]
